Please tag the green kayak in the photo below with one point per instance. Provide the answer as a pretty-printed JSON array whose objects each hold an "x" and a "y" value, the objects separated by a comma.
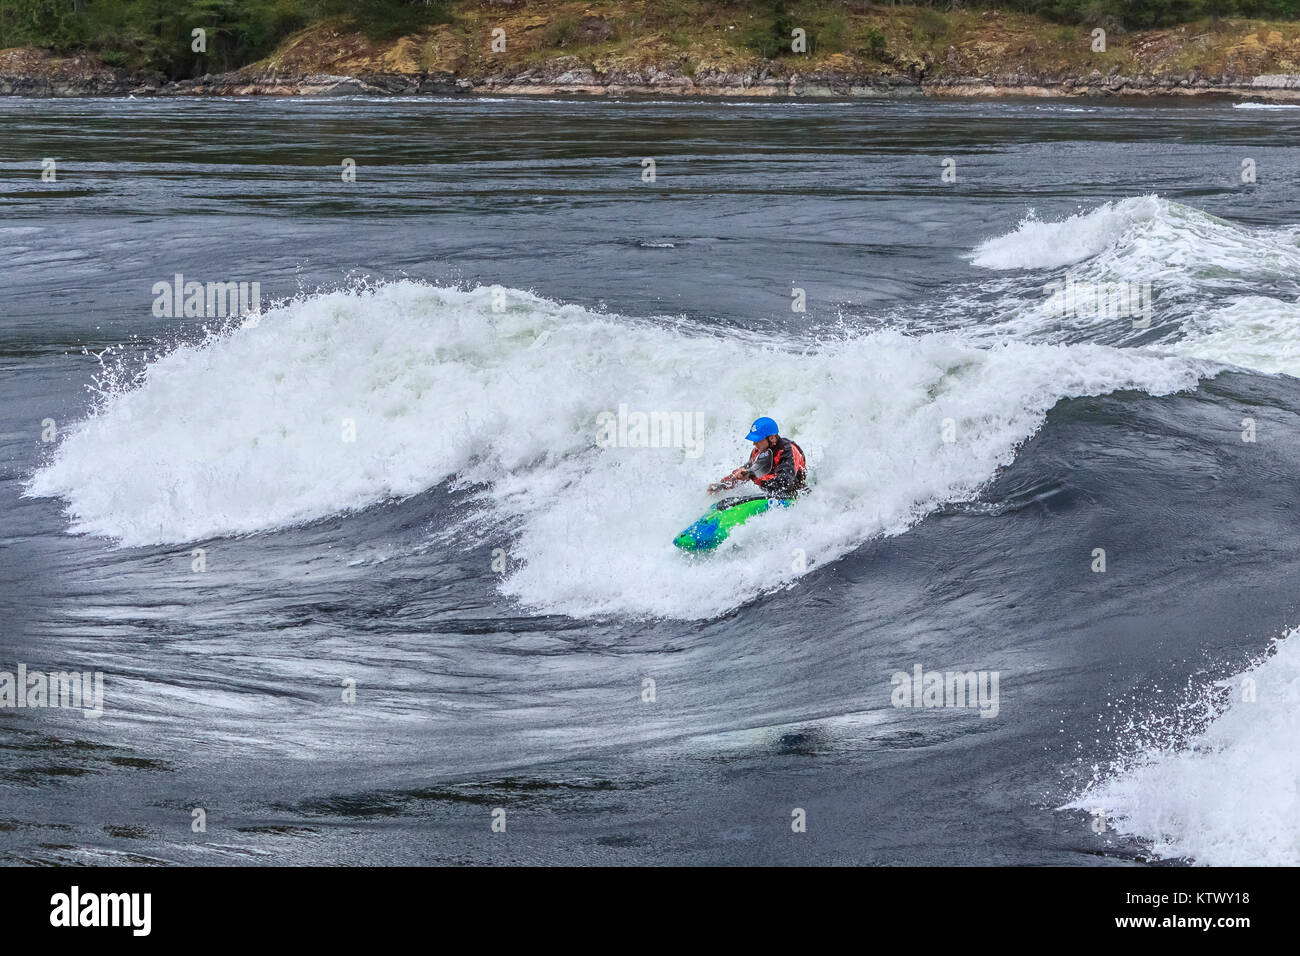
[{"x": 726, "y": 515}]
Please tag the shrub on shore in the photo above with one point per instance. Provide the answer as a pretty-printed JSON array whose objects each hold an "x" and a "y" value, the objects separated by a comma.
[{"x": 156, "y": 34}]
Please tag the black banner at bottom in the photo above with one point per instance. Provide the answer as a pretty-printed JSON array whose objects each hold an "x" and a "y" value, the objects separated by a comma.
[{"x": 333, "y": 906}]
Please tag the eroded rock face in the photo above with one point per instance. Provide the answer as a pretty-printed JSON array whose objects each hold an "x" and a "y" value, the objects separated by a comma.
[
  {"x": 28, "y": 72},
  {"x": 594, "y": 29},
  {"x": 1280, "y": 81},
  {"x": 567, "y": 76}
]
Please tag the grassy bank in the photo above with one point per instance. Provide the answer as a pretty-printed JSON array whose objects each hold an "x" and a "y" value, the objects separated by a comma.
[
  {"x": 692, "y": 37},
  {"x": 1027, "y": 37}
]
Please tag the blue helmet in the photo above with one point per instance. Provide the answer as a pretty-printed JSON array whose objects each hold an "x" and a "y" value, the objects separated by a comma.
[{"x": 761, "y": 428}]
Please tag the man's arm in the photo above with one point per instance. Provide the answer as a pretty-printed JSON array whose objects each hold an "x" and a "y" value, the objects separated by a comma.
[{"x": 726, "y": 484}]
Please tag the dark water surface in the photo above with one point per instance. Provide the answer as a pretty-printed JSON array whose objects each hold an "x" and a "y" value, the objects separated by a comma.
[{"x": 223, "y": 687}]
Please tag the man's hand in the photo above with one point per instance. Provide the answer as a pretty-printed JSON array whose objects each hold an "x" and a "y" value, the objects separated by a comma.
[{"x": 726, "y": 484}]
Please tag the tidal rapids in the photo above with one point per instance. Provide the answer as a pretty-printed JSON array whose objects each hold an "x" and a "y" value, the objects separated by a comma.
[{"x": 356, "y": 647}]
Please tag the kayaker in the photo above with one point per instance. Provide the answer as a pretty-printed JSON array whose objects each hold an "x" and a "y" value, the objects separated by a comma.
[{"x": 776, "y": 464}]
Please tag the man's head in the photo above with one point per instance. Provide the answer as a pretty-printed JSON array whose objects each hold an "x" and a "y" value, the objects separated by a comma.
[{"x": 763, "y": 433}]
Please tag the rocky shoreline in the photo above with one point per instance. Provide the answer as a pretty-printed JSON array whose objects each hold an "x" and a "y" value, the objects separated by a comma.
[{"x": 84, "y": 76}]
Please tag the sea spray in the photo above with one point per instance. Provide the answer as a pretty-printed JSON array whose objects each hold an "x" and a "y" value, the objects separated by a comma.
[
  {"x": 1224, "y": 794},
  {"x": 344, "y": 400}
]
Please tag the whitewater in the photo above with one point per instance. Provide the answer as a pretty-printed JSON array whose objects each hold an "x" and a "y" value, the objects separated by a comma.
[
  {"x": 1185, "y": 793},
  {"x": 393, "y": 479},
  {"x": 344, "y": 400},
  {"x": 339, "y": 401}
]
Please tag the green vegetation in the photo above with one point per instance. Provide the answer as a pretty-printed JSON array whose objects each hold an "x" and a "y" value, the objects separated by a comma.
[
  {"x": 1143, "y": 14},
  {"x": 561, "y": 31},
  {"x": 929, "y": 27},
  {"x": 769, "y": 35},
  {"x": 383, "y": 19},
  {"x": 874, "y": 43},
  {"x": 156, "y": 34}
]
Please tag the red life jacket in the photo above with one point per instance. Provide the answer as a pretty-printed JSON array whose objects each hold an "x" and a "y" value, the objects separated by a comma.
[{"x": 800, "y": 465}]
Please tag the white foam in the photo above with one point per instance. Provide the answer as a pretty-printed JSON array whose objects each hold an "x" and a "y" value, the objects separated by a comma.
[
  {"x": 1255, "y": 332},
  {"x": 1035, "y": 244},
  {"x": 243, "y": 433},
  {"x": 1146, "y": 239},
  {"x": 1173, "y": 257},
  {"x": 1231, "y": 795}
]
